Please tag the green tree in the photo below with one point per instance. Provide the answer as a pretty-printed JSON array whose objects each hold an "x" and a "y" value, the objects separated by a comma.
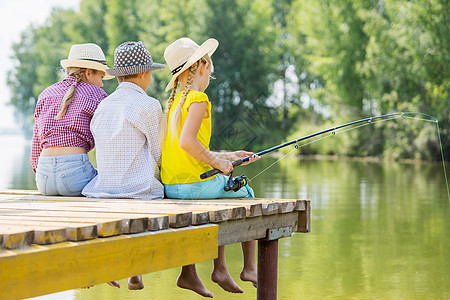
[
  {"x": 407, "y": 69},
  {"x": 36, "y": 61},
  {"x": 163, "y": 22},
  {"x": 243, "y": 66}
]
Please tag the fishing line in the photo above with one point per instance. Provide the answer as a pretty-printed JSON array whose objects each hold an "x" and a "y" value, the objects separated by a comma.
[
  {"x": 250, "y": 179},
  {"x": 443, "y": 161},
  {"x": 370, "y": 122},
  {"x": 441, "y": 148},
  {"x": 297, "y": 146},
  {"x": 351, "y": 126}
]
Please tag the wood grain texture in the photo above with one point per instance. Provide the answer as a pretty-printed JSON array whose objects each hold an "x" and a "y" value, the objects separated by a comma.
[
  {"x": 231, "y": 232},
  {"x": 71, "y": 265}
]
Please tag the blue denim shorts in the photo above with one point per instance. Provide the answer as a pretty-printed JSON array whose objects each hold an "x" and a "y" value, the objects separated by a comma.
[
  {"x": 209, "y": 189},
  {"x": 64, "y": 175}
]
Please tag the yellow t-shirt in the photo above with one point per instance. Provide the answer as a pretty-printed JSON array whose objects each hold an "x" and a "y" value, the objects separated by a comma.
[{"x": 177, "y": 166}]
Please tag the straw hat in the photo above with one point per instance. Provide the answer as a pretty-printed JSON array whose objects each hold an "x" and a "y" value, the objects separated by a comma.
[
  {"x": 132, "y": 58},
  {"x": 88, "y": 56},
  {"x": 183, "y": 53}
]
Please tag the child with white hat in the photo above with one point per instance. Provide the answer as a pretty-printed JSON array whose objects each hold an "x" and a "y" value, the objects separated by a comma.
[
  {"x": 186, "y": 153},
  {"x": 61, "y": 136}
]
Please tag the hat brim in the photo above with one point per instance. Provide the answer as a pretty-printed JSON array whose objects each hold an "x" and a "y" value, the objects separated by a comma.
[
  {"x": 208, "y": 47},
  {"x": 131, "y": 70},
  {"x": 75, "y": 63}
]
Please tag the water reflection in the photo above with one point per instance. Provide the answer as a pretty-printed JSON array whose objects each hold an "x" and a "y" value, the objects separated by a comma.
[
  {"x": 379, "y": 231},
  {"x": 14, "y": 158}
]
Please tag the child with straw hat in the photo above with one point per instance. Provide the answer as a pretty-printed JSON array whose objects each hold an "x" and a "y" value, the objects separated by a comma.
[
  {"x": 186, "y": 131},
  {"x": 61, "y": 135}
]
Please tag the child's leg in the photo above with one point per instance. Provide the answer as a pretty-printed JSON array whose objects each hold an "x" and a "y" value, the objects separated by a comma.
[
  {"x": 188, "y": 279},
  {"x": 249, "y": 271},
  {"x": 114, "y": 284},
  {"x": 135, "y": 283},
  {"x": 221, "y": 276},
  {"x": 111, "y": 283}
]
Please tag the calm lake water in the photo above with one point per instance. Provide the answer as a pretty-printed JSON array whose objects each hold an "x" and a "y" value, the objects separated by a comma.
[{"x": 379, "y": 231}]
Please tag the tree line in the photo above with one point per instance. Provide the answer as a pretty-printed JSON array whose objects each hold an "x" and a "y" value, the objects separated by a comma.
[{"x": 284, "y": 68}]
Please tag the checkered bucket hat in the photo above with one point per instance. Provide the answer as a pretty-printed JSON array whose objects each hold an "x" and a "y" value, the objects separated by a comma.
[{"x": 132, "y": 58}]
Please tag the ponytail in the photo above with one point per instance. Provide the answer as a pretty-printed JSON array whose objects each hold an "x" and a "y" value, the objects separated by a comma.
[{"x": 70, "y": 94}]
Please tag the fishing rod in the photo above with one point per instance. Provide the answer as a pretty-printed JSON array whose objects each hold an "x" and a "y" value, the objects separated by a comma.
[{"x": 369, "y": 120}]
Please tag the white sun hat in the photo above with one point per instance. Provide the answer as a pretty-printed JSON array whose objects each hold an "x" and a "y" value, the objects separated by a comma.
[
  {"x": 183, "y": 53},
  {"x": 88, "y": 56}
]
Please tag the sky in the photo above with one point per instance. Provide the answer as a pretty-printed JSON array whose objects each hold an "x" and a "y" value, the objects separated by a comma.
[{"x": 15, "y": 17}]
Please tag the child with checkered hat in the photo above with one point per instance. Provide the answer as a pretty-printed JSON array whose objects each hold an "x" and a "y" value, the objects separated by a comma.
[{"x": 126, "y": 131}]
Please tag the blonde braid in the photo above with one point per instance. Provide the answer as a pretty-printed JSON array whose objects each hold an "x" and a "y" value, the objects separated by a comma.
[
  {"x": 176, "y": 117},
  {"x": 172, "y": 95},
  {"x": 165, "y": 118},
  {"x": 70, "y": 94}
]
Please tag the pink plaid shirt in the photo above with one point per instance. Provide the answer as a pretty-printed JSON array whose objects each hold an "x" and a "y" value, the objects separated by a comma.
[{"x": 73, "y": 130}]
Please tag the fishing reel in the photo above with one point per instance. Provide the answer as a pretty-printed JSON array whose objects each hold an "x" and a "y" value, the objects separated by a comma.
[{"x": 235, "y": 183}]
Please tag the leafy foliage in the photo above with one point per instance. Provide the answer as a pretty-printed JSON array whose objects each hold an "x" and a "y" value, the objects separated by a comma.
[{"x": 284, "y": 68}]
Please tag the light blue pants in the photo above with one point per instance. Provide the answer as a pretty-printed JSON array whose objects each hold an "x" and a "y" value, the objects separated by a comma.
[
  {"x": 64, "y": 175},
  {"x": 209, "y": 189}
]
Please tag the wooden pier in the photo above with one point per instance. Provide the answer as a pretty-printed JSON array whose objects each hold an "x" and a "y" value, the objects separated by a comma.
[{"x": 50, "y": 244}]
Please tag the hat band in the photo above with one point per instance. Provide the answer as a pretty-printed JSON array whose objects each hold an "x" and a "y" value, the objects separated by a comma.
[
  {"x": 103, "y": 62},
  {"x": 178, "y": 68}
]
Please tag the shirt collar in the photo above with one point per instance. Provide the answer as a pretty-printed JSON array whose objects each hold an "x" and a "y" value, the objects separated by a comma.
[{"x": 131, "y": 86}]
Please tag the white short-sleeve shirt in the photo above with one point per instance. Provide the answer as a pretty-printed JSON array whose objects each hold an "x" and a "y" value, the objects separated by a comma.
[{"x": 125, "y": 127}]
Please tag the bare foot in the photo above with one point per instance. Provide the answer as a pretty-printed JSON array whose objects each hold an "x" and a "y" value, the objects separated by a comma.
[
  {"x": 188, "y": 279},
  {"x": 114, "y": 284},
  {"x": 135, "y": 283},
  {"x": 250, "y": 275},
  {"x": 225, "y": 281}
]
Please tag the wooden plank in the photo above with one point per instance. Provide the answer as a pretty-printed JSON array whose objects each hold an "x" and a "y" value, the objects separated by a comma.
[
  {"x": 218, "y": 216},
  {"x": 199, "y": 218},
  {"x": 156, "y": 223},
  {"x": 131, "y": 222},
  {"x": 17, "y": 237},
  {"x": 105, "y": 228},
  {"x": 20, "y": 192},
  {"x": 285, "y": 207},
  {"x": 42, "y": 234},
  {"x": 236, "y": 213},
  {"x": 180, "y": 220},
  {"x": 74, "y": 232},
  {"x": 200, "y": 212},
  {"x": 252, "y": 205},
  {"x": 69, "y": 265},
  {"x": 270, "y": 208},
  {"x": 300, "y": 205},
  {"x": 176, "y": 219},
  {"x": 304, "y": 219},
  {"x": 34, "y": 195},
  {"x": 231, "y": 232}
]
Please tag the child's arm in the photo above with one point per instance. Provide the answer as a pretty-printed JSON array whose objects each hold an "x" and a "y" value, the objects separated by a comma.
[{"x": 190, "y": 144}]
